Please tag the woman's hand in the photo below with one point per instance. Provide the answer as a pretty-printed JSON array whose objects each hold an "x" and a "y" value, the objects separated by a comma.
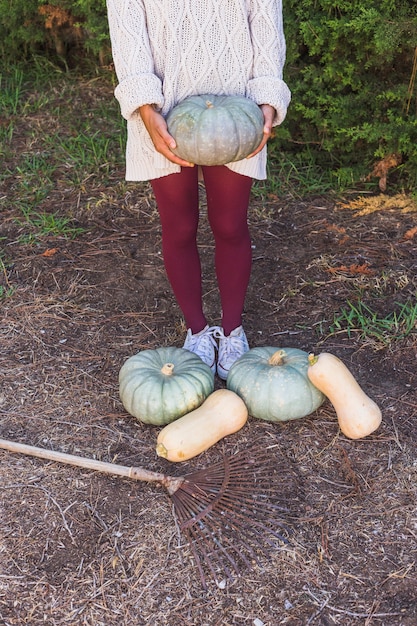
[
  {"x": 269, "y": 115},
  {"x": 156, "y": 126}
]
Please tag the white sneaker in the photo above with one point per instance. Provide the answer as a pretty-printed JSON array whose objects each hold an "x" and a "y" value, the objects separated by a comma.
[
  {"x": 231, "y": 348},
  {"x": 203, "y": 345}
]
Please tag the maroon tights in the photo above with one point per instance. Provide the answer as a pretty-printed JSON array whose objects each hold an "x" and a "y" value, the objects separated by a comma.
[{"x": 227, "y": 207}]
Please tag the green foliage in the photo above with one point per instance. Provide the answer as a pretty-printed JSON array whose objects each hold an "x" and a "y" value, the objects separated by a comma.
[
  {"x": 69, "y": 29},
  {"x": 63, "y": 131},
  {"x": 350, "y": 69},
  {"x": 21, "y": 28},
  {"x": 40, "y": 225},
  {"x": 6, "y": 288},
  {"x": 91, "y": 19},
  {"x": 361, "y": 318}
]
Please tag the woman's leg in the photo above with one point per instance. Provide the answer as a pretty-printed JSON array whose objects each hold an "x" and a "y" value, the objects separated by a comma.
[
  {"x": 228, "y": 197},
  {"x": 178, "y": 205}
]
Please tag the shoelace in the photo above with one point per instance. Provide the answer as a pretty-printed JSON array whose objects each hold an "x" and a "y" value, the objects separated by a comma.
[
  {"x": 200, "y": 341},
  {"x": 231, "y": 345}
]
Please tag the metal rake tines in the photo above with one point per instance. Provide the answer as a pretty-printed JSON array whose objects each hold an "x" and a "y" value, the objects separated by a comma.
[
  {"x": 229, "y": 514},
  {"x": 222, "y": 544},
  {"x": 233, "y": 506}
]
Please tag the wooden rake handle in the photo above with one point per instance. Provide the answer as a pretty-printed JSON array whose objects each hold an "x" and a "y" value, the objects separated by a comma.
[{"x": 137, "y": 473}]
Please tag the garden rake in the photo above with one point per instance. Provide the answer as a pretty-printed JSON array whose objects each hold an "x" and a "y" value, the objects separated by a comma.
[{"x": 229, "y": 513}]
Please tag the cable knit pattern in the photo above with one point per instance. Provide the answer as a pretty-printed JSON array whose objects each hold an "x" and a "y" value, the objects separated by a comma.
[{"x": 166, "y": 50}]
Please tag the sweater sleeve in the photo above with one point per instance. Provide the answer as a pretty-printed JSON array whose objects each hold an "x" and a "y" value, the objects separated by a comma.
[
  {"x": 132, "y": 56},
  {"x": 267, "y": 85}
]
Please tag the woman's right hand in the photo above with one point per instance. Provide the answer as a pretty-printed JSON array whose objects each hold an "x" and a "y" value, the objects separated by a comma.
[{"x": 156, "y": 126}]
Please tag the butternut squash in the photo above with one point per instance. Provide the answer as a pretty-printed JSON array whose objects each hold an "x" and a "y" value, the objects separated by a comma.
[
  {"x": 357, "y": 414},
  {"x": 221, "y": 414}
]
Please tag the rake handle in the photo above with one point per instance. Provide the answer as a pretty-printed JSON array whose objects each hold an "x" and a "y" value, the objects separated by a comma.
[{"x": 137, "y": 473}]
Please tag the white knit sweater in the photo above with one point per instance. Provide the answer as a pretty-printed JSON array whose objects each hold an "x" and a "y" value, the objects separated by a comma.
[{"x": 166, "y": 50}]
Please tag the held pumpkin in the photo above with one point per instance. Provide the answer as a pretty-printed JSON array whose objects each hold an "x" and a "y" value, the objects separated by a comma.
[
  {"x": 214, "y": 130},
  {"x": 357, "y": 414},
  {"x": 273, "y": 383},
  {"x": 221, "y": 414},
  {"x": 159, "y": 386}
]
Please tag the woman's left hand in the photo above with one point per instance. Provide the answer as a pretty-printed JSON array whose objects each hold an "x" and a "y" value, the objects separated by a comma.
[{"x": 269, "y": 115}]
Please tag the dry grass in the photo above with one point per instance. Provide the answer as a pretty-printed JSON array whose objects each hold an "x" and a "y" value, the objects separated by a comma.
[
  {"x": 82, "y": 549},
  {"x": 365, "y": 205}
]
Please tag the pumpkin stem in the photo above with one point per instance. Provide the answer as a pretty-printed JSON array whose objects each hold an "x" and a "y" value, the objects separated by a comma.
[
  {"x": 312, "y": 358},
  {"x": 209, "y": 104},
  {"x": 278, "y": 358},
  {"x": 167, "y": 369}
]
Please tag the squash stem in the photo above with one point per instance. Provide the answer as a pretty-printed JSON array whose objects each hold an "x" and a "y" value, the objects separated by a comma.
[
  {"x": 278, "y": 358},
  {"x": 167, "y": 369},
  {"x": 312, "y": 358},
  {"x": 161, "y": 450}
]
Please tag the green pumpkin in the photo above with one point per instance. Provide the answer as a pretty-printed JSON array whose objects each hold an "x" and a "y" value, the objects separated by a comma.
[
  {"x": 274, "y": 385},
  {"x": 214, "y": 130},
  {"x": 158, "y": 386}
]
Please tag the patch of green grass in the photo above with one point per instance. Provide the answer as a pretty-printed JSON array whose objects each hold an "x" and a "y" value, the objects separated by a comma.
[
  {"x": 86, "y": 153},
  {"x": 11, "y": 92},
  {"x": 33, "y": 175},
  {"x": 11, "y": 95},
  {"x": 293, "y": 175},
  {"x": 308, "y": 172},
  {"x": 361, "y": 318},
  {"x": 22, "y": 92},
  {"x": 7, "y": 289},
  {"x": 6, "y": 136},
  {"x": 31, "y": 183},
  {"x": 70, "y": 139},
  {"x": 6, "y": 292},
  {"x": 16, "y": 99},
  {"x": 41, "y": 225}
]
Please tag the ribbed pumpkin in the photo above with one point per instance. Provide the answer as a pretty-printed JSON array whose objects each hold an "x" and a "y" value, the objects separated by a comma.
[
  {"x": 214, "y": 130},
  {"x": 158, "y": 386},
  {"x": 273, "y": 383}
]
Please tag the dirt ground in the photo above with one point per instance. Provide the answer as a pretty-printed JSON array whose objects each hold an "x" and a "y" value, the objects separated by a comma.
[{"x": 81, "y": 548}]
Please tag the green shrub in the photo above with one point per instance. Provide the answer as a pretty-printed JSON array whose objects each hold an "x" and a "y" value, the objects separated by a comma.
[
  {"x": 21, "y": 28},
  {"x": 70, "y": 29},
  {"x": 351, "y": 67}
]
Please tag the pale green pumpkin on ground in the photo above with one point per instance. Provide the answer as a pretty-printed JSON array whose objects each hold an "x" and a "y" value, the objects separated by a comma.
[
  {"x": 274, "y": 385},
  {"x": 173, "y": 387},
  {"x": 159, "y": 386}
]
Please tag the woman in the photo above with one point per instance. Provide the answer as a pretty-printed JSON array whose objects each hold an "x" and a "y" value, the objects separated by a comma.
[{"x": 165, "y": 51}]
